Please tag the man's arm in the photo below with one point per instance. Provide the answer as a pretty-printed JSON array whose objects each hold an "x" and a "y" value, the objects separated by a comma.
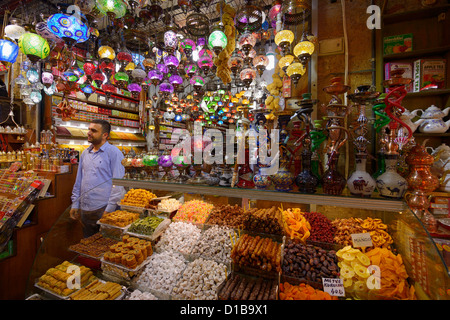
[
  {"x": 76, "y": 191},
  {"x": 118, "y": 171}
]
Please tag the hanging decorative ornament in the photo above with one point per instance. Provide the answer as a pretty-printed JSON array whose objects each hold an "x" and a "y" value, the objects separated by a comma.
[
  {"x": 106, "y": 53},
  {"x": 166, "y": 89},
  {"x": 285, "y": 62},
  {"x": 187, "y": 46},
  {"x": 176, "y": 81},
  {"x": 69, "y": 28},
  {"x": 170, "y": 41},
  {"x": 284, "y": 39},
  {"x": 248, "y": 17},
  {"x": 34, "y": 46},
  {"x": 197, "y": 24},
  {"x": 43, "y": 30},
  {"x": 217, "y": 39},
  {"x": 123, "y": 57},
  {"x": 89, "y": 68},
  {"x": 171, "y": 62},
  {"x": 304, "y": 49},
  {"x": 155, "y": 76},
  {"x": 14, "y": 30},
  {"x": 114, "y": 9},
  {"x": 8, "y": 51},
  {"x": 87, "y": 90},
  {"x": 295, "y": 71},
  {"x": 205, "y": 63},
  {"x": 247, "y": 75},
  {"x": 235, "y": 64},
  {"x": 148, "y": 64},
  {"x": 121, "y": 79},
  {"x": 197, "y": 82},
  {"x": 135, "y": 89},
  {"x": 47, "y": 78},
  {"x": 246, "y": 42},
  {"x": 138, "y": 74},
  {"x": 98, "y": 78},
  {"x": 191, "y": 70},
  {"x": 260, "y": 62}
]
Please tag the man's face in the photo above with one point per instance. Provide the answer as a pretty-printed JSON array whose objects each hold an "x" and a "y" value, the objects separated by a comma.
[{"x": 95, "y": 133}]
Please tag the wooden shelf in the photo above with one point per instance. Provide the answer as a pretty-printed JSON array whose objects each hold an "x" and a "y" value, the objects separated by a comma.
[
  {"x": 427, "y": 93},
  {"x": 424, "y": 13},
  {"x": 421, "y": 134},
  {"x": 420, "y": 53},
  {"x": 374, "y": 203},
  {"x": 101, "y": 105}
]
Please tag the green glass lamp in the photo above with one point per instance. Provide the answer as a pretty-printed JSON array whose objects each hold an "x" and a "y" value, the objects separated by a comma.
[
  {"x": 217, "y": 40},
  {"x": 34, "y": 46}
]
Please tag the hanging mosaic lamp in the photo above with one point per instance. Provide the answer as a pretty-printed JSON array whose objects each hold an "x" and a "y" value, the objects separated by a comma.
[
  {"x": 69, "y": 28},
  {"x": 187, "y": 46},
  {"x": 247, "y": 75},
  {"x": 148, "y": 64},
  {"x": 246, "y": 42},
  {"x": 260, "y": 62},
  {"x": 44, "y": 31},
  {"x": 14, "y": 31},
  {"x": 155, "y": 76},
  {"x": 170, "y": 41},
  {"x": 87, "y": 90},
  {"x": 135, "y": 89},
  {"x": 106, "y": 53},
  {"x": 8, "y": 51},
  {"x": 217, "y": 40},
  {"x": 295, "y": 71},
  {"x": 171, "y": 62},
  {"x": 89, "y": 68},
  {"x": 114, "y": 9},
  {"x": 47, "y": 78},
  {"x": 122, "y": 79},
  {"x": 166, "y": 88},
  {"x": 190, "y": 69},
  {"x": 124, "y": 58},
  {"x": 98, "y": 78},
  {"x": 283, "y": 39},
  {"x": 285, "y": 61},
  {"x": 138, "y": 74},
  {"x": 197, "y": 82},
  {"x": 205, "y": 63},
  {"x": 71, "y": 76},
  {"x": 304, "y": 49},
  {"x": 176, "y": 81},
  {"x": 34, "y": 46}
]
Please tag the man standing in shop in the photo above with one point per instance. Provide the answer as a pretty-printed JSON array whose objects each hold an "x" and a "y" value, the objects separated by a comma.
[{"x": 93, "y": 193}]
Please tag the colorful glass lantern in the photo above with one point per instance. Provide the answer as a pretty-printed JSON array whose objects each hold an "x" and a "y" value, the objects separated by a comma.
[
  {"x": 246, "y": 42},
  {"x": 162, "y": 68},
  {"x": 217, "y": 39},
  {"x": 89, "y": 68},
  {"x": 260, "y": 62},
  {"x": 71, "y": 76},
  {"x": 69, "y": 28},
  {"x": 187, "y": 46},
  {"x": 247, "y": 75},
  {"x": 114, "y": 9},
  {"x": 295, "y": 71},
  {"x": 43, "y": 30},
  {"x": 129, "y": 68},
  {"x": 8, "y": 51},
  {"x": 166, "y": 88},
  {"x": 235, "y": 64},
  {"x": 171, "y": 62},
  {"x": 109, "y": 89},
  {"x": 205, "y": 63},
  {"x": 198, "y": 83},
  {"x": 155, "y": 76},
  {"x": 304, "y": 49},
  {"x": 248, "y": 59},
  {"x": 98, "y": 78},
  {"x": 106, "y": 53},
  {"x": 148, "y": 64},
  {"x": 283, "y": 39},
  {"x": 137, "y": 58},
  {"x": 273, "y": 12},
  {"x": 138, "y": 74},
  {"x": 176, "y": 81},
  {"x": 170, "y": 41},
  {"x": 107, "y": 68},
  {"x": 14, "y": 31},
  {"x": 47, "y": 78},
  {"x": 124, "y": 59},
  {"x": 191, "y": 70},
  {"x": 121, "y": 79},
  {"x": 87, "y": 90},
  {"x": 285, "y": 62},
  {"x": 135, "y": 89},
  {"x": 34, "y": 46}
]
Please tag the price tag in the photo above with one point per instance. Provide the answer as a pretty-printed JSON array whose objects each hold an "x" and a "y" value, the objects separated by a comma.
[
  {"x": 361, "y": 240},
  {"x": 333, "y": 286}
]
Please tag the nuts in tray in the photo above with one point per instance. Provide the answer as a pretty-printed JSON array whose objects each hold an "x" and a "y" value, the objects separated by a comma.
[
  {"x": 227, "y": 215},
  {"x": 264, "y": 220},
  {"x": 138, "y": 198},
  {"x": 257, "y": 252},
  {"x": 55, "y": 279},
  {"x": 145, "y": 226},
  {"x": 98, "y": 290},
  {"x": 119, "y": 218},
  {"x": 130, "y": 252},
  {"x": 94, "y": 246},
  {"x": 246, "y": 288}
]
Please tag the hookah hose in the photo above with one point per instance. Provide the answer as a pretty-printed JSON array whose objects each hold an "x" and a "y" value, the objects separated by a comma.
[
  {"x": 383, "y": 119},
  {"x": 397, "y": 95}
]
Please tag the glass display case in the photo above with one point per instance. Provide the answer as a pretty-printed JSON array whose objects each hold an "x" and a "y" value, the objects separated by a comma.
[{"x": 399, "y": 260}]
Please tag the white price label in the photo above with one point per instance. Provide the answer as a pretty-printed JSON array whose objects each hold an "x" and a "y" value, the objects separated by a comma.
[
  {"x": 333, "y": 286},
  {"x": 362, "y": 240}
]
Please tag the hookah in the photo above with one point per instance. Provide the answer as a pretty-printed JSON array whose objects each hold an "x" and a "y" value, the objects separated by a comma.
[
  {"x": 333, "y": 181},
  {"x": 391, "y": 184},
  {"x": 381, "y": 121},
  {"x": 306, "y": 180},
  {"x": 360, "y": 182}
]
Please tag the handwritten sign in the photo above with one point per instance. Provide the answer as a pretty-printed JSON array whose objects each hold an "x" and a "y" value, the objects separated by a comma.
[
  {"x": 361, "y": 240},
  {"x": 334, "y": 287}
]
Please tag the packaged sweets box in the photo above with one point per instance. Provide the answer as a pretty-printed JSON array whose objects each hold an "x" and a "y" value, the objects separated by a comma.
[
  {"x": 429, "y": 74},
  {"x": 398, "y": 44},
  {"x": 407, "y": 66}
]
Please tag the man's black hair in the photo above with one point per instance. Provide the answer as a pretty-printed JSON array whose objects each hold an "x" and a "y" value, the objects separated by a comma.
[{"x": 106, "y": 126}]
